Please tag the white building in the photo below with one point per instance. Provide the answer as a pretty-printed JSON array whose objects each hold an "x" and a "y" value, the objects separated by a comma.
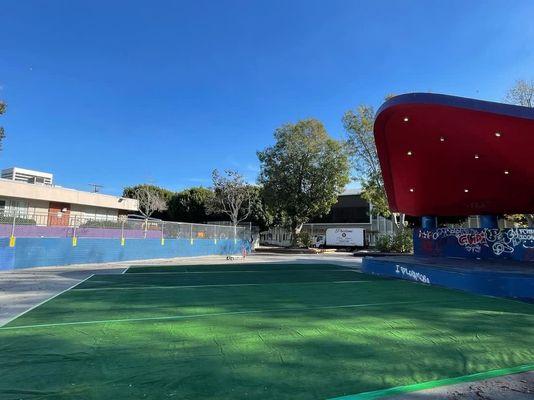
[{"x": 31, "y": 195}]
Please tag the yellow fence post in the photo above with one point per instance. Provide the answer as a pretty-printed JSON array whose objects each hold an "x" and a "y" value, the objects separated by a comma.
[
  {"x": 12, "y": 239},
  {"x": 74, "y": 237}
]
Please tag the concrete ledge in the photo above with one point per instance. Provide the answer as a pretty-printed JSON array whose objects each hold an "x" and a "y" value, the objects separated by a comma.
[{"x": 502, "y": 279}]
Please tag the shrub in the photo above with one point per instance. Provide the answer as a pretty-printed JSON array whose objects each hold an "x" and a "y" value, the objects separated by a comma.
[
  {"x": 383, "y": 243},
  {"x": 93, "y": 223},
  {"x": 304, "y": 239},
  {"x": 18, "y": 220},
  {"x": 400, "y": 242}
]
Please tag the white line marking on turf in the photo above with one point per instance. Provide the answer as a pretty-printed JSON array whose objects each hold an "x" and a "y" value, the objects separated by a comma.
[
  {"x": 126, "y": 269},
  {"x": 178, "y": 317},
  {"x": 47, "y": 300},
  {"x": 237, "y": 271},
  {"x": 202, "y": 286}
]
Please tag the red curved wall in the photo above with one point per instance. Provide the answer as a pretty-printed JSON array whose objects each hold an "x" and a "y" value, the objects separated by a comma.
[{"x": 451, "y": 156}]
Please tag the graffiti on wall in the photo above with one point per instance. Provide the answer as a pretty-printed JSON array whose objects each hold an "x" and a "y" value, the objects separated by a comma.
[{"x": 498, "y": 243}]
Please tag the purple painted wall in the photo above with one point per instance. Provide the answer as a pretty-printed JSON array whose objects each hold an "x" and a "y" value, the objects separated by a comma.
[{"x": 30, "y": 231}]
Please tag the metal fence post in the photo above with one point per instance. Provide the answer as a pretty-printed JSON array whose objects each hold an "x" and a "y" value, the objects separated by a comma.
[
  {"x": 215, "y": 234},
  {"x": 122, "y": 233},
  {"x": 162, "y": 234},
  {"x": 191, "y": 233},
  {"x": 12, "y": 237},
  {"x": 74, "y": 237}
]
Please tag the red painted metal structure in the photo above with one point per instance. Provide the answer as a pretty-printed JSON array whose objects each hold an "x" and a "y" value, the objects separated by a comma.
[{"x": 453, "y": 156}]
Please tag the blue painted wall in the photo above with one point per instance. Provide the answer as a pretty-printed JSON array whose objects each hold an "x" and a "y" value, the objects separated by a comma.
[
  {"x": 476, "y": 243},
  {"x": 38, "y": 252},
  {"x": 513, "y": 285}
]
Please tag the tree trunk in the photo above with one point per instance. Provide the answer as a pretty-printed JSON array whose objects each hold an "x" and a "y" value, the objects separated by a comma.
[
  {"x": 295, "y": 231},
  {"x": 399, "y": 219},
  {"x": 530, "y": 220}
]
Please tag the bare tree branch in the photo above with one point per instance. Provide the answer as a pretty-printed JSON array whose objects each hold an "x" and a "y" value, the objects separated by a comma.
[
  {"x": 149, "y": 201},
  {"x": 232, "y": 196}
]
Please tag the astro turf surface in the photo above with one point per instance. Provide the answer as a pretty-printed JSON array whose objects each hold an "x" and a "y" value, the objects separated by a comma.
[{"x": 255, "y": 331}]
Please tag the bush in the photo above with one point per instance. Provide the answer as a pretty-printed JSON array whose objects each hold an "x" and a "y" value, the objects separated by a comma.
[
  {"x": 18, "y": 220},
  {"x": 94, "y": 223},
  {"x": 304, "y": 239},
  {"x": 400, "y": 242},
  {"x": 383, "y": 243}
]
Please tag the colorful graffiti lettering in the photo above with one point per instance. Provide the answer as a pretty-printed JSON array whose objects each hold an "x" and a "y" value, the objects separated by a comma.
[{"x": 474, "y": 240}]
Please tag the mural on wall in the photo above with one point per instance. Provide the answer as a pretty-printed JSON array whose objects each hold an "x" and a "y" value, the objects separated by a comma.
[{"x": 513, "y": 243}]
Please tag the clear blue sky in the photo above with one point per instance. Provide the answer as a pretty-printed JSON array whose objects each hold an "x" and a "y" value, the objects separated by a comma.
[{"x": 124, "y": 92}]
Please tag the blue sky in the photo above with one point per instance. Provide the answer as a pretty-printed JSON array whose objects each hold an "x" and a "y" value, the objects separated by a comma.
[{"x": 125, "y": 92}]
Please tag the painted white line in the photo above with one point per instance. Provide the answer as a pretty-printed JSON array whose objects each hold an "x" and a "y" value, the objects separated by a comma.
[
  {"x": 178, "y": 317},
  {"x": 47, "y": 300},
  {"x": 205, "y": 286},
  {"x": 238, "y": 271},
  {"x": 126, "y": 269}
]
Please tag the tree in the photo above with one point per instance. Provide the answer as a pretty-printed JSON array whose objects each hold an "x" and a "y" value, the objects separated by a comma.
[
  {"x": 2, "y": 132},
  {"x": 303, "y": 172},
  {"x": 260, "y": 213},
  {"x": 151, "y": 198},
  {"x": 522, "y": 94},
  {"x": 361, "y": 141},
  {"x": 190, "y": 205},
  {"x": 232, "y": 196}
]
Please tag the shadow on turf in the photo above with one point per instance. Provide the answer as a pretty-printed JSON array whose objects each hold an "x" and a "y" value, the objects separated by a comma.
[{"x": 312, "y": 355}]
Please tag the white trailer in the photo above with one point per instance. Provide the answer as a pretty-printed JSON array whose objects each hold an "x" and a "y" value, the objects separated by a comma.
[{"x": 341, "y": 237}]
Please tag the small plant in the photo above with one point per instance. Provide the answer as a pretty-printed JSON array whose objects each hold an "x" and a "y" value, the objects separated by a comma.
[
  {"x": 304, "y": 239},
  {"x": 383, "y": 243},
  {"x": 93, "y": 223},
  {"x": 18, "y": 220},
  {"x": 400, "y": 242}
]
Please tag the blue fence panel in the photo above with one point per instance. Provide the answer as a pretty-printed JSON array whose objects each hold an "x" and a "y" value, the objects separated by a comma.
[{"x": 38, "y": 252}]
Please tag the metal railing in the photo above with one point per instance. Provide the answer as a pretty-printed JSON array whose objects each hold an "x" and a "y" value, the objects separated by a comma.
[{"x": 67, "y": 224}]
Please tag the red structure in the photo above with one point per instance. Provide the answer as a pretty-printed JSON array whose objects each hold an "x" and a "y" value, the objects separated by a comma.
[{"x": 453, "y": 156}]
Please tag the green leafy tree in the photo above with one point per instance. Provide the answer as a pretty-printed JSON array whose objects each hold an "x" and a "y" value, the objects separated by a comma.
[
  {"x": 190, "y": 205},
  {"x": 260, "y": 213},
  {"x": 2, "y": 132},
  {"x": 303, "y": 172},
  {"x": 359, "y": 125},
  {"x": 522, "y": 94}
]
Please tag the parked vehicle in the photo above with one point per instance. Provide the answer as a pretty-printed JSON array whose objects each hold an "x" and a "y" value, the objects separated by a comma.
[{"x": 341, "y": 237}]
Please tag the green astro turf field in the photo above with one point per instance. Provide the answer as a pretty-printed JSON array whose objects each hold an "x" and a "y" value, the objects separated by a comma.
[{"x": 255, "y": 331}]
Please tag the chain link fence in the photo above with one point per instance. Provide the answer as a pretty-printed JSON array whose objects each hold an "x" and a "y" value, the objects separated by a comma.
[{"x": 67, "y": 224}]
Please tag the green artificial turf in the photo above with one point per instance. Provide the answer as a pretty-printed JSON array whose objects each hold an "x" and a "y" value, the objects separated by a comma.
[{"x": 255, "y": 332}]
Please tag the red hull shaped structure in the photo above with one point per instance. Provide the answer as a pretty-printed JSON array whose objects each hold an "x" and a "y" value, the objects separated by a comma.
[{"x": 452, "y": 156}]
